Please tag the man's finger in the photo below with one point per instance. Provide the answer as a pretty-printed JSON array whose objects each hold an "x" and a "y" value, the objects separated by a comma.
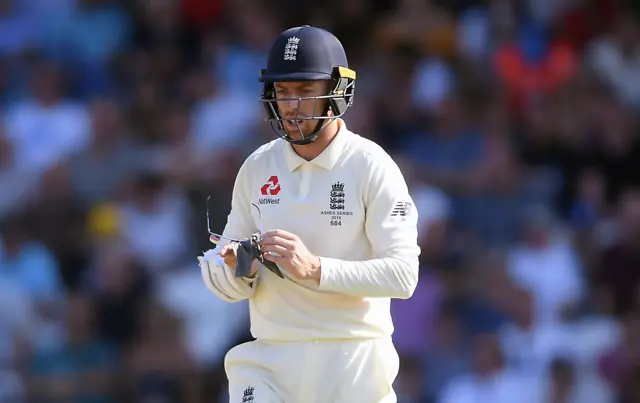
[
  {"x": 231, "y": 261},
  {"x": 280, "y": 250},
  {"x": 276, "y": 240},
  {"x": 274, "y": 258},
  {"x": 225, "y": 250},
  {"x": 280, "y": 233}
]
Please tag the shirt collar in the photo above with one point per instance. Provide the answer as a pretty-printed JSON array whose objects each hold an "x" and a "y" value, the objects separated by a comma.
[{"x": 327, "y": 158}]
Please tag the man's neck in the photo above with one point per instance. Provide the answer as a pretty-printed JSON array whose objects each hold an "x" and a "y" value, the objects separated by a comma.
[{"x": 311, "y": 151}]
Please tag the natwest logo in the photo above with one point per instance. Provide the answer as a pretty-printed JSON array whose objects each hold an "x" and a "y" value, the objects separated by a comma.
[{"x": 271, "y": 188}]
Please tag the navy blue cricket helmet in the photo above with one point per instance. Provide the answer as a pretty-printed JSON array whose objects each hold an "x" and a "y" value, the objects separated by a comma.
[{"x": 307, "y": 54}]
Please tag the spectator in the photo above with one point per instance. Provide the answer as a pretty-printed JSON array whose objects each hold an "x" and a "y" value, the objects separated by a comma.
[
  {"x": 82, "y": 369},
  {"x": 156, "y": 207},
  {"x": 446, "y": 358},
  {"x": 546, "y": 265},
  {"x": 490, "y": 381},
  {"x": 615, "y": 58},
  {"x": 29, "y": 267},
  {"x": 617, "y": 273},
  {"x": 565, "y": 385},
  {"x": 158, "y": 367},
  {"x": 47, "y": 128}
]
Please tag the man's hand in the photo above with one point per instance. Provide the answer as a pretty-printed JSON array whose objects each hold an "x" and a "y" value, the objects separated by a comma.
[
  {"x": 228, "y": 254},
  {"x": 288, "y": 251}
]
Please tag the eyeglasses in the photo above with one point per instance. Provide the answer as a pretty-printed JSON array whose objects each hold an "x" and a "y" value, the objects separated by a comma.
[{"x": 217, "y": 238}]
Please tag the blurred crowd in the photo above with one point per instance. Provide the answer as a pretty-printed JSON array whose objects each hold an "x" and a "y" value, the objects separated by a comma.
[{"x": 514, "y": 123}]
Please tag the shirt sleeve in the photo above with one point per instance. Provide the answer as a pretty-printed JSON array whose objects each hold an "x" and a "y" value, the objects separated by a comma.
[
  {"x": 392, "y": 229},
  {"x": 219, "y": 277}
]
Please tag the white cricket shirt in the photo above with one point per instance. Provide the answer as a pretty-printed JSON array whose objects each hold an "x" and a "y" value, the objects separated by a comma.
[{"x": 351, "y": 207}]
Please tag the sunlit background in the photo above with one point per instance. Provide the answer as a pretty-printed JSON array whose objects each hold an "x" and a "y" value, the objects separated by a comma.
[{"x": 515, "y": 123}]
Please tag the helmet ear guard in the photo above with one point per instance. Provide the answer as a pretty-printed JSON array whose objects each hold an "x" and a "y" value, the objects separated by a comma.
[
  {"x": 342, "y": 94},
  {"x": 269, "y": 93}
]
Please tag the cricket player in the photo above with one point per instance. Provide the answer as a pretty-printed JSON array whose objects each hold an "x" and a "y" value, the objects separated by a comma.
[{"x": 339, "y": 223}]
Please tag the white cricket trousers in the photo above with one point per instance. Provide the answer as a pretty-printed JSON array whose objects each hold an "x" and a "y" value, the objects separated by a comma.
[{"x": 345, "y": 371}]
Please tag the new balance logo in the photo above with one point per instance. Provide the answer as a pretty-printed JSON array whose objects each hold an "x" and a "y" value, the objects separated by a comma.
[
  {"x": 248, "y": 395},
  {"x": 401, "y": 209}
]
